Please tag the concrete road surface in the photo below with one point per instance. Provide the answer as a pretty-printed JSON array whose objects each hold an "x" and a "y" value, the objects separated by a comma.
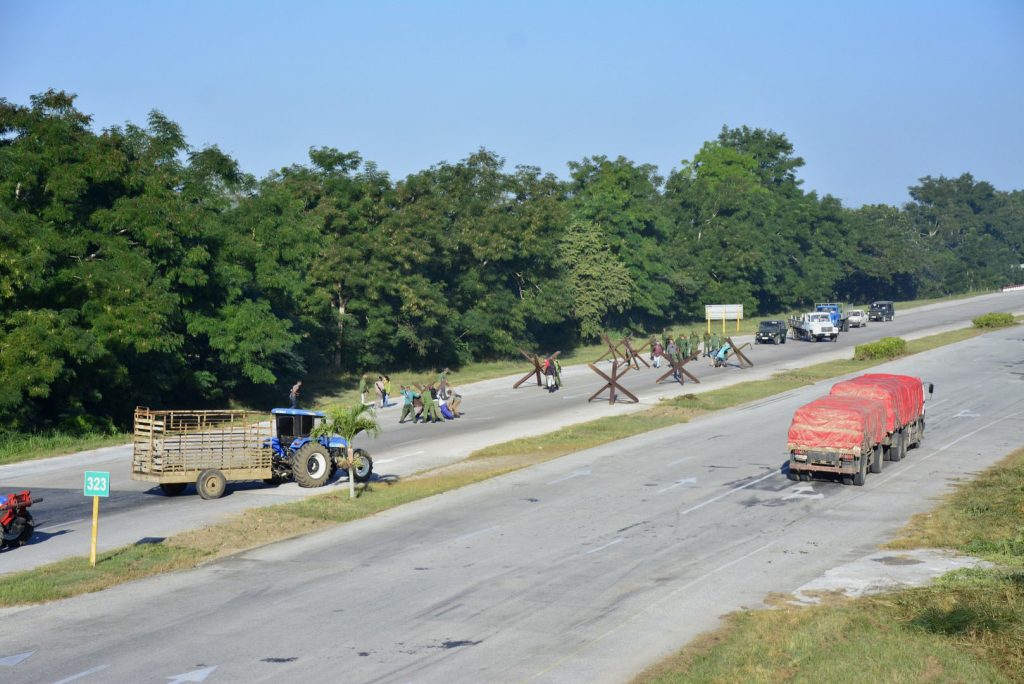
[
  {"x": 494, "y": 413},
  {"x": 583, "y": 569}
]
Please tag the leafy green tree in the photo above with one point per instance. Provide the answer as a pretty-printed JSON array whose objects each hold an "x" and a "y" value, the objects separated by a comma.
[
  {"x": 598, "y": 281},
  {"x": 348, "y": 422}
]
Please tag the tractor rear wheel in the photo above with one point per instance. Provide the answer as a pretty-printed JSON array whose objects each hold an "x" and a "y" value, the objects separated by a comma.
[
  {"x": 311, "y": 465},
  {"x": 211, "y": 484}
]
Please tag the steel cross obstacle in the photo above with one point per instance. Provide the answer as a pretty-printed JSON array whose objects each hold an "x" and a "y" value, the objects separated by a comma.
[
  {"x": 677, "y": 371},
  {"x": 612, "y": 382},
  {"x": 738, "y": 353},
  {"x": 538, "y": 369},
  {"x": 634, "y": 357},
  {"x": 613, "y": 349}
]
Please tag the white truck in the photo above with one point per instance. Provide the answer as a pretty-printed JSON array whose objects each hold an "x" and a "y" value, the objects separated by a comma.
[{"x": 814, "y": 326}]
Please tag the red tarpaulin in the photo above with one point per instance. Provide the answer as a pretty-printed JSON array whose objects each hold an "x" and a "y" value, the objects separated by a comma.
[
  {"x": 901, "y": 395},
  {"x": 837, "y": 423}
]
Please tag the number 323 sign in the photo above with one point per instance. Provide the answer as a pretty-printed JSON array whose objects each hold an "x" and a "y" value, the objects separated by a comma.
[{"x": 97, "y": 483}]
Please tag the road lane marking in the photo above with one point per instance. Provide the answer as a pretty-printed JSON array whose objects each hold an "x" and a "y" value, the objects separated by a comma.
[
  {"x": 193, "y": 676},
  {"x": 649, "y": 607},
  {"x": 576, "y": 473},
  {"x": 678, "y": 483},
  {"x": 921, "y": 459},
  {"x": 475, "y": 534},
  {"x": 967, "y": 413},
  {"x": 803, "y": 492},
  {"x": 389, "y": 460},
  {"x": 12, "y": 660},
  {"x": 613, "y": 542},
  {"x": 411, "y": 441},
  {"x": 682, "y": 460},
  {"x": 72, "y": 678},
  {"x": 727, "y": 493}
]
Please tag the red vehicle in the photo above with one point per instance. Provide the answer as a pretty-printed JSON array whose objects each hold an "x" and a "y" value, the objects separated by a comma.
[
  {"x": 840, "y": 435},
  {"x": 15, "y": 521},
  {"x": 903, "y": 399}
]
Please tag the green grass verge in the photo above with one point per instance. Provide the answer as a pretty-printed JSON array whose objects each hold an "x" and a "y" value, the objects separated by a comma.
[
  {"x": 264, "y": 525},
  {"x": 967, "y": 627},
  {"x": 18, "y": 447}
]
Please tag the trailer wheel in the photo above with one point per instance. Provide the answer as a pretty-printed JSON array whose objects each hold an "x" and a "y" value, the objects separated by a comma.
[
  {"x": 311, "y": 465},
  {"x": 211, "y": 484},
  {"x": 876, "y": 459},
  {"x": 805, "y": 476},
  {"x": 847, "y": 480},
  {"x": 792, "y": 475},
  {"x": 173, "y": 488},
  {"x": 362, "y": 466}
]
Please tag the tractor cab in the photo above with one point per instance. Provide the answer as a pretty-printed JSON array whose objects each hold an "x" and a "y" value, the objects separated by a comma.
[{"x": 292, "y": 428}]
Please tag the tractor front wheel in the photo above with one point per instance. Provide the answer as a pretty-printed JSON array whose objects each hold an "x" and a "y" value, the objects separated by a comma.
[
  {"x": 311, "y": 465},
  {"x": 362, "y": 465}
]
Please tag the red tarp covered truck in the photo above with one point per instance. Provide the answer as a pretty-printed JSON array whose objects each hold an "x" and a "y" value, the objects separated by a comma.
[
  {"x": 903, "y": 398},
  {"x": 837, "y": 434}
]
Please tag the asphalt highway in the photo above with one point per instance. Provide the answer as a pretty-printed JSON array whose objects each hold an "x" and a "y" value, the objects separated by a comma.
[
  {"x": 494, "y": 413},
  {"x": 582, "y": 569}
]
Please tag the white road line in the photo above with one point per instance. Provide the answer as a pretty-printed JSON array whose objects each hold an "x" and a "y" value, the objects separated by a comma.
[
  {"x": 725, "y": 494},
  {"x": 921, "y": 459},
  {"x": 389, "y": 460},
  {"x": 575, "y": 473},
  {"x": 411, "y": 441},
  {"x": 69, "y": 522},
  {"x": 682, "y": 460},
  {"x": 82, "y": 674},
  {"x": 572, "y": 396},
  {"x": 613, "y": 542},
  {"x": 475, "y": 534},
  {"x": 679, "y": 483},
  {"x": 485, "y": 418}
]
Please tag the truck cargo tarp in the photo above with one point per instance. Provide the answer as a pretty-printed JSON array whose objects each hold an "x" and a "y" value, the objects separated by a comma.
[
  {"x": 914, "y": 388},
  {"x": 837, "y": 424},
  {"x": 903, "y": 403}
]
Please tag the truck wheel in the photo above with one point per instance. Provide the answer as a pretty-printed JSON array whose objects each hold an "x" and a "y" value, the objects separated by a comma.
[
  {"x": 363, "y": 465},
  {"x": 792, "y": 475},
  {"x": 211, "y": 484},
  {"x": 835, "y": 338},
  {"x": 847, "y": 480},
  {"x": 896, "y": 448},
  {"x": 311, "y": 465},
  {"x": 805, "y": 476},
  {"x": 173, "y": 488},
  {"x": 862, "y": 474},
  {"x": 783, "y": 340},
  {"x": 876, "y": 459}
]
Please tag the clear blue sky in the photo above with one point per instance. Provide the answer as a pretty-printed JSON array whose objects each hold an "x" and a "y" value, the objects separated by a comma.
[{"x": 873, "y": 95}]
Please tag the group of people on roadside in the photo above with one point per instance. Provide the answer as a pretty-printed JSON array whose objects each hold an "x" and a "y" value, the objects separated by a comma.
[
  {"x": 433, "y": 403},
  {"x": 684, "y": 347}
]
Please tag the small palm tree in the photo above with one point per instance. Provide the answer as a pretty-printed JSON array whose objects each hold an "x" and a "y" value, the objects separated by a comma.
[{"x": 348, "y": 422}]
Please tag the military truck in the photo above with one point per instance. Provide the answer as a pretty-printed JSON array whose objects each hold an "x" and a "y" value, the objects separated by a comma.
[
  {"x": 881, "y": 311},
  {"x": 771, "y": 332},
  {"x": 837, "y": 435}
]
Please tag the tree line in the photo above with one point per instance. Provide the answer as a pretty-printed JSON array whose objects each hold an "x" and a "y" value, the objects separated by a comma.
[{"x": 136, "y": 269}]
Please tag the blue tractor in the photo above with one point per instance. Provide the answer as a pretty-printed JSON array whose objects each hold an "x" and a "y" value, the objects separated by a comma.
[{"x": 310, "y": 461}]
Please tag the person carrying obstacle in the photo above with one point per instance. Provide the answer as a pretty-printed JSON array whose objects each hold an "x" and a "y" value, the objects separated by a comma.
[
  {"x": 293, "y": 394},
  {"x": 694, "y": 343},
  {"x": 715, "y": 344},
  {"x": 722, "y": 355},
  {"x": 549, "y": 375},
  {"x": 431, "y": 414},
  {"x": 408, "y": 409},
  {"x": 657, "y": 351}
]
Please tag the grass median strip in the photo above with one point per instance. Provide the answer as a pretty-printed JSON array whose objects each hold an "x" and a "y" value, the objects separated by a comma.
[
  {"x": 275, "y": 523},
  {"x": 967, "y": 627}
]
